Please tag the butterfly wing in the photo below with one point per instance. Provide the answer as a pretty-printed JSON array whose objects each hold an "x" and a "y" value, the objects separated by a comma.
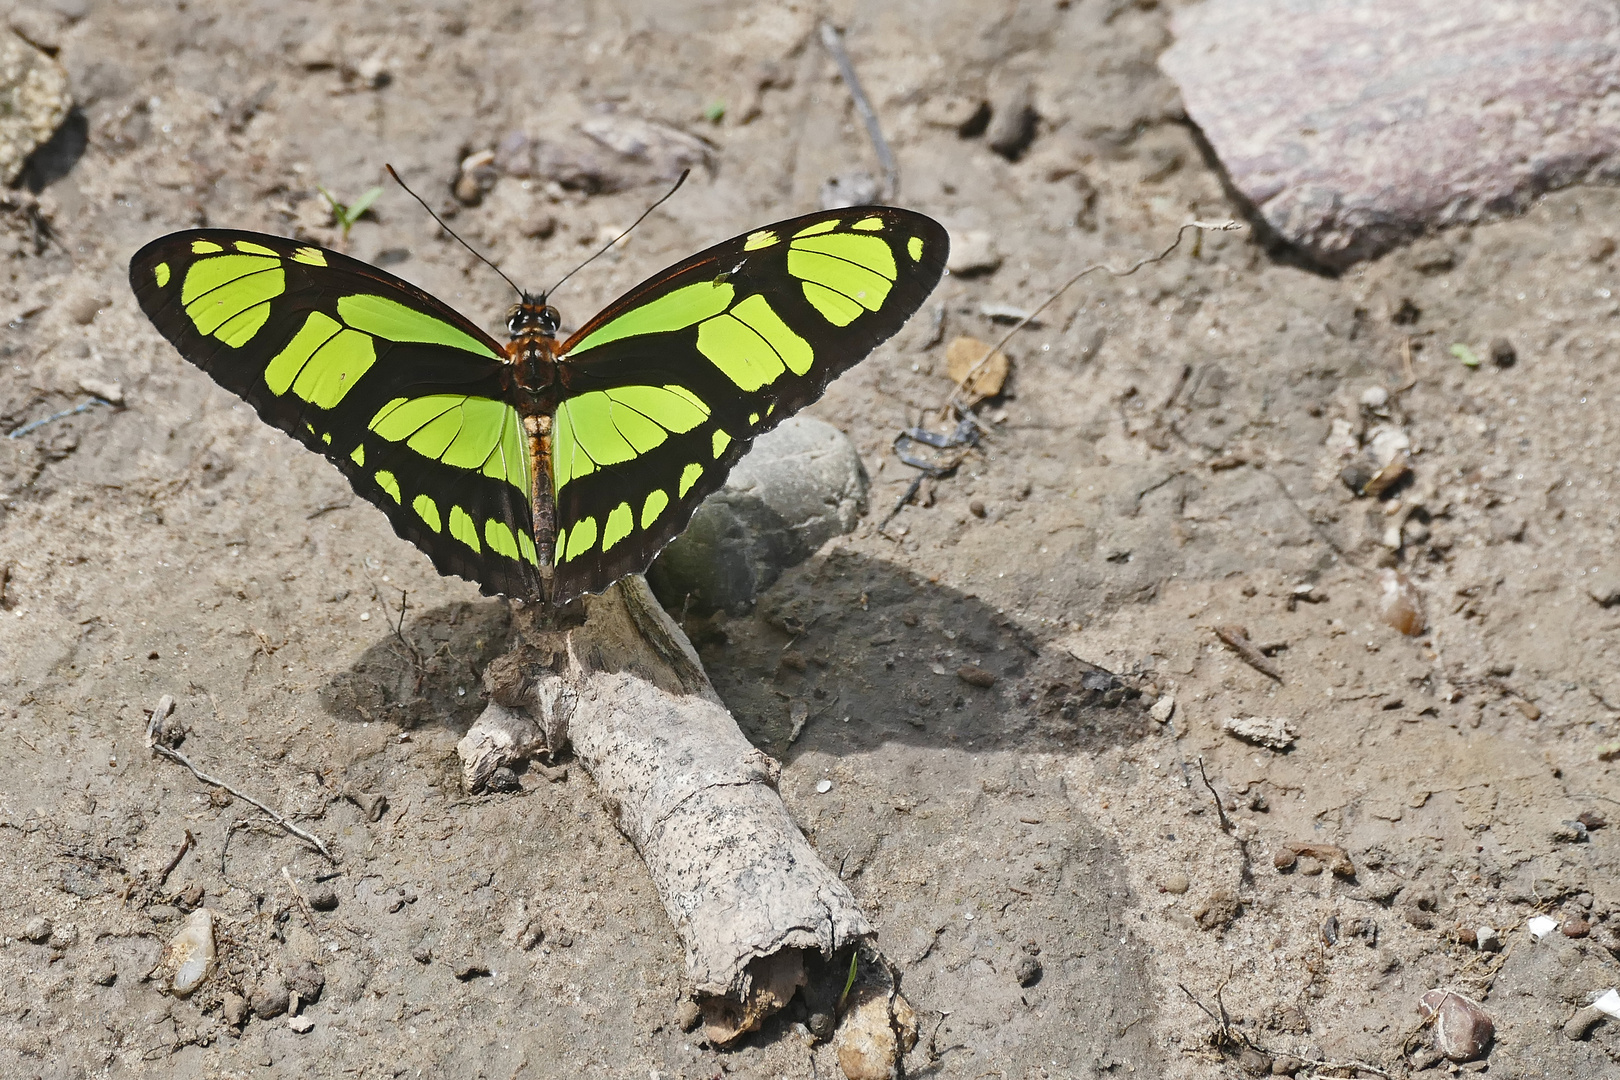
[
  {"x": 405, "y": 396},
  {"x": 663, "y": 392}
]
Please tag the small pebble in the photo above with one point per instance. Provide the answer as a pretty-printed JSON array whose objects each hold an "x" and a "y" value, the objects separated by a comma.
[
  {"x": 972, "y": 252},
  {"x": 422, "y": 953},
  {"x": 190, "y": 952},
  {"x": 1177, "y": 883},
  {"x": 1027, "y": 971},
  {"x": 323, "y": 898},
  {"x": 1254, "y": 1062},
  {"x": 303, "y": 1025},
  {"x": 37, "y": 929},
  {"x": 83, "y": 308},
  {"x": 268, "y": 999},
  {"x": 976, "y": 507},
  {"x": 1287, "y": 1065},
  {"x": 1163, "y": 709},
  {"x": 1576, "y": 928},
  {"x": 1284, "y": 860},
  {"x": 1012, "y": 122},
  {"x": 1462, "y": 1029},
  {"x": 1425, "y": 1057},
  {"x": 234, "y": 1008},
  {"x": 823, "y": 786},
  {"x": 1399, "y": 604},
  {"x": 1375, "y": 397},
  {"x": 1581, "y": 1024},
  {"x": 1309, "y": 865},
  {"x": 688, "y": 1016},
  {"x": 304, "y": 979},
  {"x": 1502, "y": 353},
  {"x": 110, "y": 392},
  {"x": 820, "y": 1024},
  {"x": 974, "y": 675}
]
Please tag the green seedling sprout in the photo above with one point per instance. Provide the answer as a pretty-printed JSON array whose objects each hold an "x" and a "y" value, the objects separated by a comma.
[
  {"x": 1465, "y": 354},
  {"x": 346, "y": 215},
  {"x": 715, "y": 112},
  {"x": 849, "y": 982}
]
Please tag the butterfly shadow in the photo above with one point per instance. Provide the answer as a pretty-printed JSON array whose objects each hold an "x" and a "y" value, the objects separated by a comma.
[
  {"x": 427, "y": 669},
  {"x": 846, "y": 653}
]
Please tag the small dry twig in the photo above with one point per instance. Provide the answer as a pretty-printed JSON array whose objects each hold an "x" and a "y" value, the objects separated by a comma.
[
  {"x": 1237, "y": 639},
  {"x": 298, "y": 894},
  {"x": 833, "y": 42},
  {"x": 1226, "y": 822},
  {"x": 1200, "y": 226},
  {"x": 165, "y": 706},
  {"x": 185, "y": 845}
]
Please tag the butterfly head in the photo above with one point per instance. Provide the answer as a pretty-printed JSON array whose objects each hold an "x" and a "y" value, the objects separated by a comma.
[{"x": 532, "y": 316}]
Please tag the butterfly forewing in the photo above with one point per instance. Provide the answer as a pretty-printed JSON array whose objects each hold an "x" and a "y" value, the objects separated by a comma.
[
  {"x": 665, "y": 390},
  {"x": 405, "y": 396}
]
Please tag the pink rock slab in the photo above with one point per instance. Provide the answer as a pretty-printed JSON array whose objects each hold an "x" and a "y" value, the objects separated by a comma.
[{"x": 1355, "y": 125}]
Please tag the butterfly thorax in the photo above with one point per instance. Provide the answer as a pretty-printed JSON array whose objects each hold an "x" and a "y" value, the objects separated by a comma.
[{"x": 532, "y": 350}]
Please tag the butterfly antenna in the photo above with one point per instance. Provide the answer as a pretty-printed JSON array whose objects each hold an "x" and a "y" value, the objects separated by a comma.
[
  {"x": 521, "y": 294},
  {"x": 681, "y": 180}
]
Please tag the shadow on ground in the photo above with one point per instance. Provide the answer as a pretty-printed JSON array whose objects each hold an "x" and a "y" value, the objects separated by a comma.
[
  {"x": 864, "y": 652},
  {"x": 431, "y": 668}
]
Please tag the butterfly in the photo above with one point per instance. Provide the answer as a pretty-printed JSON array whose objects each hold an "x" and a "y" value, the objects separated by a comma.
[{"x": 538, "y": 469}]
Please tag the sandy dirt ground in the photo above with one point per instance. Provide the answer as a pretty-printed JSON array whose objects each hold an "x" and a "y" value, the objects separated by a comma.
[{"x": 1060, "y": 890}]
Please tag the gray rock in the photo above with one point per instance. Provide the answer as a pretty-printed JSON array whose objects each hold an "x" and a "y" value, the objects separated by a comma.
[
  {"x": 304, "y": 979},
  {"x": 1012, "y": 124},
  {"x": 269, "y": 997},
  {"x": 1354, "y": 125},
  {"x": 34, "y": 100},
  {"x": 800, "y": 485}
]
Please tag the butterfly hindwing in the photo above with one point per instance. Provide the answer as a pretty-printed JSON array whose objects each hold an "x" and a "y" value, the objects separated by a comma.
[
  {"x": 665, "y": 390},
  {"x": 404, "y": 395}
]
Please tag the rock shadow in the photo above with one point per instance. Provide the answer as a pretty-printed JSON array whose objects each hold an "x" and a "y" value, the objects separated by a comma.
[
  {"x": 56, "y": 157},
  {"x": 845, "y": 635},
  {"x": 430, "y": 670}
]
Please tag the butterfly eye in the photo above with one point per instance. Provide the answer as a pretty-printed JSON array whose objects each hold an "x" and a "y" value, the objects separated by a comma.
[
  {"x": 550, "y": 320},
  {"x": 514, "y": 319}
]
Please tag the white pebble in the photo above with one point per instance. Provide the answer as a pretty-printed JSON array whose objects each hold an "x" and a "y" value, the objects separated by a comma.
[
  {"x": 1541, "y": 925},
  {"x": 1608, "y": 1002},
  {"x": 1163, "y": 708},
  {"x": 365, "y": 616},
  {"x": 823, "y": 786},
  {"x": 1375, "y": 397},
  {"x": 190, "y": 953}
]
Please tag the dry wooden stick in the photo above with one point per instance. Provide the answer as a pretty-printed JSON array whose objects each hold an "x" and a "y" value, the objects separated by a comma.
[{"x": 165, "y": 706}]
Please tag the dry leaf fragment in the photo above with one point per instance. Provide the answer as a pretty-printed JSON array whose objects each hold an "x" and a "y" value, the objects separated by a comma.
[{"x": 978, "y": 380}]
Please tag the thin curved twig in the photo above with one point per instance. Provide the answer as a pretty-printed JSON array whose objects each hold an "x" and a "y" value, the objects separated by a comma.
[{"x": 1200, "y": 226}]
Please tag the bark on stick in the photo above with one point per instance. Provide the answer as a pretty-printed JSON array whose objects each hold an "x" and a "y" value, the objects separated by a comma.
[{"x": 743, "y": 887}]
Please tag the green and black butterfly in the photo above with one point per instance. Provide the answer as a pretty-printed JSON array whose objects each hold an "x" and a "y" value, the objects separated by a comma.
[{"x": 539, "y": 470}]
